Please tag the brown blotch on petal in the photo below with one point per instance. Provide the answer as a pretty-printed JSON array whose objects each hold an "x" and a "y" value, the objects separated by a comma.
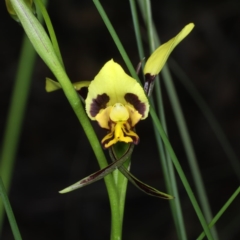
[
  {"x": 83, "y": 92},
  {"x": 98, "y": 103},
  {"x": 134, "y": 100}
]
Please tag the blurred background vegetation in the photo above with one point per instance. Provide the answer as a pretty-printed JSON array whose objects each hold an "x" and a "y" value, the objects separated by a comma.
[{"x": 54, "y": 153}]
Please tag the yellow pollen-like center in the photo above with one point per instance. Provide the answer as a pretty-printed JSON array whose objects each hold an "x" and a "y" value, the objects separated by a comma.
[{"x": 119, "y": 113}]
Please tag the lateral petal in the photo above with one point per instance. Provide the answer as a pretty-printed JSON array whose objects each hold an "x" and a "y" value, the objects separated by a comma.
[{"x": 159, "y": 57}]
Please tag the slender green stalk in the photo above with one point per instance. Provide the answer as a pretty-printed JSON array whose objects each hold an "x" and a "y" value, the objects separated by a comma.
[
  {"x": 165, "y": 159},
  {"x": 50, "y": 29},
  {"x": 179, "y": 221},
  {"x": 231, "y": 228},
  {"x": 120, "y": 180},
  {"x": 116, "y": 39},
  {"x": 156, "y": 122},
  {"x": 202, "y": 195},
  {"x": 158, "y": 138},
  {"x": 184, "y": 135},
  {"x": 136, "y": 29},
  {"x": 184, "y": 79},
  {"x": 122, "y": 183},
  {"x": 181, "y": 175},
  {"x": 44, "y": 48},
  {"x": 11, "y": 218},
  {"x": 16, "y": 114},
  {"x": 220, "y": 213}
]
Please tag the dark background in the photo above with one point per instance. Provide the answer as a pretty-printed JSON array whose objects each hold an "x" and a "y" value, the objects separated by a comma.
[{"x": 54, "y": 153}]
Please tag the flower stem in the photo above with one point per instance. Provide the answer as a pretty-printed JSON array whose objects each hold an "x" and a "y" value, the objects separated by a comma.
[{"x": 44, "y": 48}]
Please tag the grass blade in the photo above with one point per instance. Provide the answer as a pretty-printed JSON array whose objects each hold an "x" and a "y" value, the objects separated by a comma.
[
  {"x": 11, "y": 218},
  {"x": 220, "y": 213}
]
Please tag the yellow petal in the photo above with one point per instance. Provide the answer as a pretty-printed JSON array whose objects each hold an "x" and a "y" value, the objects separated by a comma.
[
  {"x": 135, "y": 116},
  {"x": 112, "y": 85},
  {"x": 159, "y": 57},
  {"x": 52, "y": 85},
  {"x": 103, "y": 118}
]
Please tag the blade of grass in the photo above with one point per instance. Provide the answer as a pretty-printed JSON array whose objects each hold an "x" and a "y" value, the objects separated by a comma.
[
  {"x": 16, "y": 114},
  {"x": 50, "y": 29},
  {"x": 11, "y": 218},
  {"x": 165, "y": 159},
  {"x": 178, "y": 210},
  {"x": 192, "y": 160},
  {"x": 221, "y": 211},
  {"x": 187, "y": 83},
  {"x": 156, "y": 122},
  {"x": 231, "y": 228}
]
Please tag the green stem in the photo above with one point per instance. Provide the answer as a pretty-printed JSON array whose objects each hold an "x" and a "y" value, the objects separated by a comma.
[
  {"x": 44, "y": 48},
  {"x": 16, "y": 115},
  {"x": 11, "y": 218},
  {"x": 188, "y": 84},
  {"x": 220, "y": 213},
  {"x": 116, "y": 39},
  {"x": 175, "y": 205},
  {"x": 121, "y": 181},
  {"x": 50, "y": 30}
]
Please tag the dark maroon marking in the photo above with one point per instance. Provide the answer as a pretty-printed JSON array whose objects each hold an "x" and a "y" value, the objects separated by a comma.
[
  {"x": 98, "y": 103},
  {"x": 149, "y": 83},
  {"x": 138, "y": 105},
  {"x": 107, "y": 141},
  {"x": 135, "y": 139},
  {"x": 83, "y": 92}
]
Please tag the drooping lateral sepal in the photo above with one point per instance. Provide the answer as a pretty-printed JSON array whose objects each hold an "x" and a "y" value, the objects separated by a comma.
[
  {"x": 99, "y": 174},
  {"x": 136, "y": 182}
]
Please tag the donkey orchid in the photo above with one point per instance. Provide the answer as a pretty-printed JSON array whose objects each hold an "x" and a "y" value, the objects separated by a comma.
[{"x": 117, "y": 102}]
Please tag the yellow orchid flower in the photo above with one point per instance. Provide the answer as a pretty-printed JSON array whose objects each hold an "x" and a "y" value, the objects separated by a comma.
[
  {"x": 117, "y": 102},
  {"x": 159, "y": 57}
]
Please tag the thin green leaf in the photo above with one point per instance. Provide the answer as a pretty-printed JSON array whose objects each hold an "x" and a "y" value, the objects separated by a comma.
[
  {"x": 11, "y": 218},
  {"x": 196, "y": 96},
  {"x": 15, "y": 116},
  {"x": 50, "y": 30},
  {"x": 168, "y": 168},
  {"x": 220, "y": 213}
]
